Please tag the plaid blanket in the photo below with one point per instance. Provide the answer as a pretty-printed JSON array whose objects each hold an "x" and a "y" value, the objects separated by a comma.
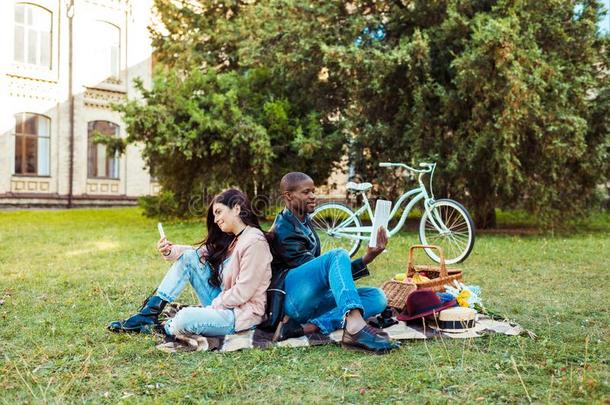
[{"x": 260, "y": 339}]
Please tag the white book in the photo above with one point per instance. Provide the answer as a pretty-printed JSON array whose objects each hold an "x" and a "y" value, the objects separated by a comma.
[{"x": 381, "y": 218}]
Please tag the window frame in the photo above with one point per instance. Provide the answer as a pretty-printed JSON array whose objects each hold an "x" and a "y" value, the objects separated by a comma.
[
  {"x": 26, "y": 37},
  {"x": 114, "y": 74},
  {"x": 92, "y": 147},
  {"x": 23, "y": 137}
]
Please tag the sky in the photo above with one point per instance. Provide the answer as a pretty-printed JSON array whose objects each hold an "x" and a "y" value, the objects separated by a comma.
[{"x": 604, "y": 25}]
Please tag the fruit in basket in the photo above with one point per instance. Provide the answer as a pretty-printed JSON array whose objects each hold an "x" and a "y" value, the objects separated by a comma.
[
  {"x": 419, "y": 278},
  {"x": 400, "y": 277}
]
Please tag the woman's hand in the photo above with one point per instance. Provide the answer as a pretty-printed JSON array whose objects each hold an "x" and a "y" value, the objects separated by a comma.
[{"x": 164, "y": 246}]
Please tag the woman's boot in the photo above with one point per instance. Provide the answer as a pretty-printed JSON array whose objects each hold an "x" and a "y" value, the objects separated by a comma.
[{"x": 144, "y": 320}]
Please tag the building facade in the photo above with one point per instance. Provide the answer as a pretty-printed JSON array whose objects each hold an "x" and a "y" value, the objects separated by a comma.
[{"x": 62, "y": 64}]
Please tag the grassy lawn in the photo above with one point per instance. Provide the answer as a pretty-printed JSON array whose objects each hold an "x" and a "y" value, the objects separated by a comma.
[{"x": 65, "y": 274}]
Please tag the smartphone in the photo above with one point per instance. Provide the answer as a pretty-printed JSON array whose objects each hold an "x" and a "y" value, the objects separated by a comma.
[
  {"x": 380, "y": 218},
  {"x": 160, "y": 228}
]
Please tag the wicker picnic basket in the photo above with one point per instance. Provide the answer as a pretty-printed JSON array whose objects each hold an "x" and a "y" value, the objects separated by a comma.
[
  {"x": 397, "y": 293},
  {"x": 439, "y": 275}
]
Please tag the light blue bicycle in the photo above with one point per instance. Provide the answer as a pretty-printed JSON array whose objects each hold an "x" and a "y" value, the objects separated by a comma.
[{"x": 445, "y": 223}]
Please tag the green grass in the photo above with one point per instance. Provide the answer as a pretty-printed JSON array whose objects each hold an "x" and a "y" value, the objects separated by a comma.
[{"x": 65, "y": 274}]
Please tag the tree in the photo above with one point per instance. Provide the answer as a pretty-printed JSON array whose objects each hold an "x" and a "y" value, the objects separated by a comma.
[
  {"x": 505, "y": 95},
  {"x": 218, "y": 115}
]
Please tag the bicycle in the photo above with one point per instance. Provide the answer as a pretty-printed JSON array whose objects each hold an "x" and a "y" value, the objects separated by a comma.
[{"x": 444, "y": 222}]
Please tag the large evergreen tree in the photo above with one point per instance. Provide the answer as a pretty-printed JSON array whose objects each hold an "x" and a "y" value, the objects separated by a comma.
[
  {"x": 228, "y": 106},
  {"x": 509, "y": 97}
]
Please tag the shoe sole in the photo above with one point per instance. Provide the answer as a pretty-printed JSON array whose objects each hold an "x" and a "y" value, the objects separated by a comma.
[
  {"x": 363, "y": 350},
  {"x": 121, "y": 330}
]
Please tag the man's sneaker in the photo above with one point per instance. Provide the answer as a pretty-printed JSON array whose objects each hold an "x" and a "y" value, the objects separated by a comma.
[{"x": 368, "y": 339}]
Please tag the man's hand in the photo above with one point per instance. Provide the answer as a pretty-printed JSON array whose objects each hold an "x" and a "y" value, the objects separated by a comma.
[{"x": 373, "y": 252}]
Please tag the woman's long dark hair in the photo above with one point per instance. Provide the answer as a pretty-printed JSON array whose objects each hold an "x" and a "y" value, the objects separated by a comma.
[{"x": 217, "y": 242}]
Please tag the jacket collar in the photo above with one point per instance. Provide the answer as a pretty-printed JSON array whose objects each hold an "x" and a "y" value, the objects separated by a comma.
[{"x": 294, "y": 220}]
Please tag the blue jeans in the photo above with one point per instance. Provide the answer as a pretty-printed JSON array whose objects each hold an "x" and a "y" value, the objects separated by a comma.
[
  {"x": 322, "y": 292},
  {"x": 202, "y": 321}
]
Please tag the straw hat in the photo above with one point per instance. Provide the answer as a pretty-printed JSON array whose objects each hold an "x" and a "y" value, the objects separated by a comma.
[{"x": 455, "y": 319}]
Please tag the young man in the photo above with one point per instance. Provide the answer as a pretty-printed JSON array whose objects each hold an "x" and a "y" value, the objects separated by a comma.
[{"x": 320, "y": 290}]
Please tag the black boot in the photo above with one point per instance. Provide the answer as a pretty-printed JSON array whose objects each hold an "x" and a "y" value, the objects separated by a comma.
[
  {"x": 144, "y": 320},
  {"x": 287, "y": 328}
]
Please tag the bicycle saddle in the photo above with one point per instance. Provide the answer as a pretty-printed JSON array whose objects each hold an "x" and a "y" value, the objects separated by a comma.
[{"x": 351, "y": 186}]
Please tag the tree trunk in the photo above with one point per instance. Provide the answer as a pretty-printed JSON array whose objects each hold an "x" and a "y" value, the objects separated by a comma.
[{"x": 485, "y": 216}]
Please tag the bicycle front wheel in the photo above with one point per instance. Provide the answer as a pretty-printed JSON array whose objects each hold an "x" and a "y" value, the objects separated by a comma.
[
  {"x": 447, "y": 224},
  {"x": 332, "y": 221}
]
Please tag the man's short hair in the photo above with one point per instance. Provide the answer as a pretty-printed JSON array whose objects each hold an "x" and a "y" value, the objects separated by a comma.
[{"x": 291, "y": 180}]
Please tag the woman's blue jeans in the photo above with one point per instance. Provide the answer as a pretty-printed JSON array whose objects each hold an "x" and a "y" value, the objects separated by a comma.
[
  {"x": 202, "y": 321},
  {"x": 322, "y": 291}
]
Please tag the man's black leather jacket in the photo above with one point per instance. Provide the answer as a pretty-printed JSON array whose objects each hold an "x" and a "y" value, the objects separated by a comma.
[{"x": 292, "y": 247}]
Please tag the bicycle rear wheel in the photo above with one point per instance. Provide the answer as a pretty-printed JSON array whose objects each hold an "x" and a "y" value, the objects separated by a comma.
[
  {"x": 447, "y": 224},
  {"x": 326, "y": 220}
]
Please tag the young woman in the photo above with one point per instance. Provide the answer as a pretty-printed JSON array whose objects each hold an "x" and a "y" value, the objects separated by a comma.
[{"x": 230, "y": 273}]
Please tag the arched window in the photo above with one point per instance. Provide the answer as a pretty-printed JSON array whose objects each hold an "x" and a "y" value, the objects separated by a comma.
[
  {"x": 32, "y": 35},
  {"x": 32, "y": 139},
  {"x": 105, "y": 48},
  {"x": 100, "y": 163}
]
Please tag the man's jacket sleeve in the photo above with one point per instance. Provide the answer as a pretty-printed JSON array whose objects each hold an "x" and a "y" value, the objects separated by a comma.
[{"x": 359, "y": 269}]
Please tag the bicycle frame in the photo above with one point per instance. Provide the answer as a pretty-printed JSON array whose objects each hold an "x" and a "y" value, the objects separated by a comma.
[{"x": 416, "y": 194}]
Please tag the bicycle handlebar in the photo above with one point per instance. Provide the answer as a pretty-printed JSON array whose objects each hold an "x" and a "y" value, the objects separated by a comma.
[{"x": 428, "y": 166}]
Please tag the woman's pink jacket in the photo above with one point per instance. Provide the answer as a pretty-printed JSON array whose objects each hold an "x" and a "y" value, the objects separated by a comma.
[{"x": 249, "y": 270}]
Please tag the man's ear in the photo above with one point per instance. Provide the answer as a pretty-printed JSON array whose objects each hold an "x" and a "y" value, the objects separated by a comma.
[{"x": 287, "y": 195}]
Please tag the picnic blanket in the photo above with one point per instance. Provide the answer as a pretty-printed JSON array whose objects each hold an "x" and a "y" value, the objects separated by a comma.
[{"x": 257, "y": 338}]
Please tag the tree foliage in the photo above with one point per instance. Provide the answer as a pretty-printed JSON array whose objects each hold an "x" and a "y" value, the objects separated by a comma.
[
  {"x": 218, "y": 115},
  {"x": 509, "y": 97},
  {"x": 505, "y": 95}
]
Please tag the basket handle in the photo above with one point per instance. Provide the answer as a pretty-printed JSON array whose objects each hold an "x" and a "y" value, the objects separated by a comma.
[{"x": 411, "y": 267}]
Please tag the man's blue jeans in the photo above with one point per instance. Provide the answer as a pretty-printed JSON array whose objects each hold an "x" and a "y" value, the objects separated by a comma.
[
  {"x": 202, "y": 321},
  {"x": 322, "y": 291}
]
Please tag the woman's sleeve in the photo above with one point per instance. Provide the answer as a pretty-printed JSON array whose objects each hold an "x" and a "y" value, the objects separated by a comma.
[
  {"x": 177, "y": 251},
  {"x": 254, "y": 270}
]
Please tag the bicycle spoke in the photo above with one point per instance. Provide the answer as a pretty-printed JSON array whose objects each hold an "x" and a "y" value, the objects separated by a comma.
[
  {"x": 460, "y": 224},
  {"x": 461, "y": 229},
  {"x": 447, "y": 226},
  {"x": 335, "y": 218},
  {"x": 462, "y": 234},
  {"x": 454, "y": 220},
  {"x": 432, "y": 238},
  {"x": 460, "y": 237},
  {"x": 322, "y": 225},
  {"x": 455, "y": 242},
  {"x": 328, "y": 222},
  {"x": 448, "y": 248}
]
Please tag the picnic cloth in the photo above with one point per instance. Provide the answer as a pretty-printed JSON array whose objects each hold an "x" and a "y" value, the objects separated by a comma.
[{"x": 260, "y": 339}]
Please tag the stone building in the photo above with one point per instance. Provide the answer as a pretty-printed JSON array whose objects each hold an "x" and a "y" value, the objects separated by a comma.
[{"x": 62, "y": 63}]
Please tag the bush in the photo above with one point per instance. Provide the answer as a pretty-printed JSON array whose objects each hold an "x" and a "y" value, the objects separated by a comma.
[{"x": 162, "y": 206}]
